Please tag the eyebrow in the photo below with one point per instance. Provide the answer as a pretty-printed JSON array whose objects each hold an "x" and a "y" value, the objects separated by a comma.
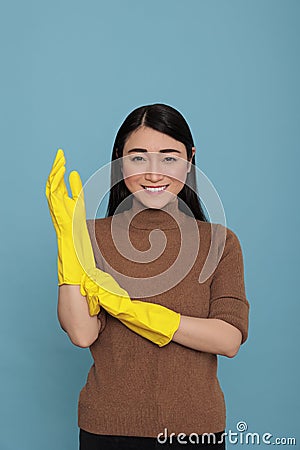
[{"x": 144, "y": 150}]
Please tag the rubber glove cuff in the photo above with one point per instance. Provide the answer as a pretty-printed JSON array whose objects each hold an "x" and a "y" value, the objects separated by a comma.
[{"x": 152, "y": 321}]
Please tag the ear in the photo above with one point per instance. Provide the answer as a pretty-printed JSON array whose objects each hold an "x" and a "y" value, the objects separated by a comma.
[{"x": 190, "y": 160}]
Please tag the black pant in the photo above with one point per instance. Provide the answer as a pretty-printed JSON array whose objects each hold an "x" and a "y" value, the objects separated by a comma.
[{"x": 90, "y": 441}]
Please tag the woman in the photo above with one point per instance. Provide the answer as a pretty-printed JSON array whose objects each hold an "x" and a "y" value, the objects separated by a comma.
[{"x": 154, "y": 378}]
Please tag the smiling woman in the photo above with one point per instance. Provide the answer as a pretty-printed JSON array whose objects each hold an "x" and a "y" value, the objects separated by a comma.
[
  {"x": 155, "y": 359},
  {"x": 165, "y": 131}
]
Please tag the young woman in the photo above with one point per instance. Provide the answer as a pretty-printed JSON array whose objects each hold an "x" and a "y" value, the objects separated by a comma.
[{"x": 153, "y": 329}]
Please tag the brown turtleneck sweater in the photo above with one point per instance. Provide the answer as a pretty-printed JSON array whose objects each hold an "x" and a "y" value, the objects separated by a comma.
[{"x": 134, "y": 387}]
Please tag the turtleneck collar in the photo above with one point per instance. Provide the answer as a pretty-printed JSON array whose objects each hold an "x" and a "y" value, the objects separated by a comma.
[{"x": 168, "y": 217}]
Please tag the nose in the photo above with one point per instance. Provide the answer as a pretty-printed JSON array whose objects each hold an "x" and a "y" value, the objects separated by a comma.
[
  {"x": 153, "y": 176},
  {"x": 153, "y": 173}
]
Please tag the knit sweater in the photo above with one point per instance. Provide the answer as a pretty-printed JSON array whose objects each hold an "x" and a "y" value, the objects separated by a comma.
[{"x": 134, "y": 387}]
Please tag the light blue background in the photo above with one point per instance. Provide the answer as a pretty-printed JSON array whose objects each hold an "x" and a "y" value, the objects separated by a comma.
[{"x": 70, "y": 73}]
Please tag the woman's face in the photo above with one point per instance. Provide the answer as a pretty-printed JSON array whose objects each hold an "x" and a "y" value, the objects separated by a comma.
[{"x": 154, "y": 167}]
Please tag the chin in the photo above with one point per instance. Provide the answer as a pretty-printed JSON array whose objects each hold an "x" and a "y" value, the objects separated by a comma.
[{"x": 158, "y": 201}]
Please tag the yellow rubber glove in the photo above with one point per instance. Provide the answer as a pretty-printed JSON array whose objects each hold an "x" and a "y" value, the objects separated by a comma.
[
  {"x": 152, "y": 321},
  {"x": 71, "y": 263}
]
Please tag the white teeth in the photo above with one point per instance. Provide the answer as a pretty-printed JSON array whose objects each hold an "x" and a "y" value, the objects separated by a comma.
[{"x": 155, "y": 189}]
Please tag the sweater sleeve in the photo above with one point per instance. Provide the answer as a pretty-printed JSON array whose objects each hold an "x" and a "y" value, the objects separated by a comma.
[{"x": 228, "y": 300}]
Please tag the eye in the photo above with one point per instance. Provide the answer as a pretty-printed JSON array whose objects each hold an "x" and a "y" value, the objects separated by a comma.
[
  {"x": 137, "y": 159},
  {"x": 169, "y": 159}
]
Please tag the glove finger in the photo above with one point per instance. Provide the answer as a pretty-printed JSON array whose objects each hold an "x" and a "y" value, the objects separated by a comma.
[
  {"x": 75, "y": 185},
  {"x": 52, "y": 179},
  {"x": 59, "y": 156},
  {"x": 58, "y": 163},
  {"x": 58, "y": 182},
  {"x": 58, "y": 199},
  {"x": 55, "y": 168}
]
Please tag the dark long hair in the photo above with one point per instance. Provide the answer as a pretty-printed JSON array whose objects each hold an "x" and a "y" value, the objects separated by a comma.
[{"x": 169, "y": 121}]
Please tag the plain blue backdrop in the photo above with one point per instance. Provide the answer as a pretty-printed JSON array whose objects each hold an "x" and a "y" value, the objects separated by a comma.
[{"x": 70, "y": 73}]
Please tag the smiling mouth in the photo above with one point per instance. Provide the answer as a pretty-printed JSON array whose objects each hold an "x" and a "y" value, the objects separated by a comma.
[{"x": 155, "y": 188}]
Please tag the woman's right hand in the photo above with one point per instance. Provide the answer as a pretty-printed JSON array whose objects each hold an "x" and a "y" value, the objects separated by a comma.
[
  {"x": 76, "y": 314},
  {"x": 75, "y": 253}
]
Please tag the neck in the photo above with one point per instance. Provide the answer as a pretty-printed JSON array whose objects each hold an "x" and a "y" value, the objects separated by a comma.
[{"x": 140, "y": 216}]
